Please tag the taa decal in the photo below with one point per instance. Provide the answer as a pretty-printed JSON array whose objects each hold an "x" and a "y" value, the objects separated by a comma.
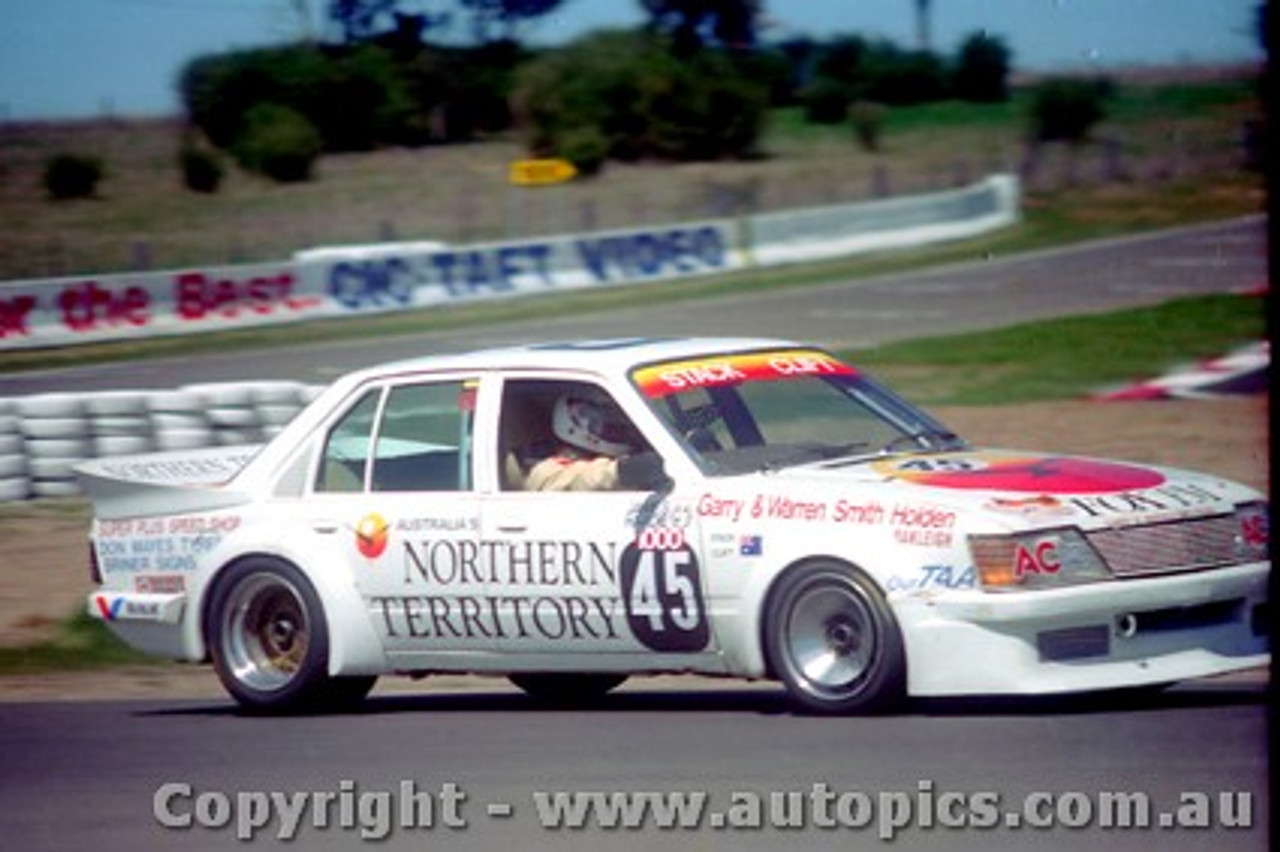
[
  {"x": 1042, "y": 558},
  {"x": 662, "y": 592},
  {"x": 934, "y": 577}
]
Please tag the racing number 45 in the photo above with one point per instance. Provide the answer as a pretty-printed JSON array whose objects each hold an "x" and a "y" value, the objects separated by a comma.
[{"x": 662, "y": 592}]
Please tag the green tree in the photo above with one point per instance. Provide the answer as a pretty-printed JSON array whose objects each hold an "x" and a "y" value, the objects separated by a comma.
[
  {"x": 693, "y": 23},
  {"x": 500, "y": 20},
  {"x": 632, "y": 90},
  {"x": 982, "y": 69},
  {"x": 1066, "y": 109},
  {"x": 407, "y": 20}
]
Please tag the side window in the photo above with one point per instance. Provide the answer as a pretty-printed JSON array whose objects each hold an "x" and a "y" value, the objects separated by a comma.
[
  {"x": 424, "y": 440},
  {"x": 346, "y": 450},
  {"x": 527, "y": 435}
]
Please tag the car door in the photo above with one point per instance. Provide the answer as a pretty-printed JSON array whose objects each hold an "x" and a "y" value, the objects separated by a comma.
[
  {"x": 396, "y": 479},
  {"x": 587, "y": 572}
]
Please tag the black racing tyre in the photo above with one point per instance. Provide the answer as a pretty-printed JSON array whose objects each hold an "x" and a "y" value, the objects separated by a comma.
[
  {"x": 566, "y": 687},
  {"x": 833, "y": 641},
  {"x": 269, "y": 641}
]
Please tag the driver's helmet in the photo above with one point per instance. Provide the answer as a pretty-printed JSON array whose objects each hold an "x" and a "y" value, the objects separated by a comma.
[{"x": 590, "y": 421}]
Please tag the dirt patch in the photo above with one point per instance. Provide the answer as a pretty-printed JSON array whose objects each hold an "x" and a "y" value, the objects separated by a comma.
[{"x": 43, "y": 554}]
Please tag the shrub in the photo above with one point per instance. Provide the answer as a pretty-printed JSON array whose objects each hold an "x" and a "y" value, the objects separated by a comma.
[
  {"x": 1066, "y": 109},
  {"x": 201, "y": 169},
  {"x": 68, "y": 176},
  {"x": 903, "y": 77},
  {"x": 826, "y": 101},
  {"x": 868, "y": 124},
  {"x": 585, "y": 147},
  {"x": 279, "y": 143}
]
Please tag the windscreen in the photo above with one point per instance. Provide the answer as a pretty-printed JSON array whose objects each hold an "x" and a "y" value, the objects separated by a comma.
[{"x": 747, "y": 411}]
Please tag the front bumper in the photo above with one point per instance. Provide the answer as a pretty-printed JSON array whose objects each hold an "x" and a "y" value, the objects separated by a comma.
[{"x": 1089, "y": 637}]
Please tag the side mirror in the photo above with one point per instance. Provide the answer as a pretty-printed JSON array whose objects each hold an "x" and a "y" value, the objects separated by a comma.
[{"x": 643, "y": 472}]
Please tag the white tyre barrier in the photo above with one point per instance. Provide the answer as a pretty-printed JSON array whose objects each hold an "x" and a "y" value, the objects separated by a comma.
[
  {"x": 13, "y": 466},
  {"x": 55, "y": 488},
  {"x": 60, "y": 448},
  {"x": 122, "y": 425},
  {"x": 184, "y": 439},
  {"x": 44, "y": 437},
  {"x": 122, "y": 445},
  {"x": 38, "y": 428},
  {"x": 277, "y": 414},
  {"x": 15, "y": 488},
  {"x": 233, "y": 418},
  {"x": 178, "y": 421},
  {"x": 237, "y": 437},
  {"x": 277, "y": 393},
  {"x": 125, "y": 403},
  {"x": 180, "y": 401},
  {"x": 234, "y": 394},
  {"x": 51, "y": 405},
  {"x": 47, "y": 469}
]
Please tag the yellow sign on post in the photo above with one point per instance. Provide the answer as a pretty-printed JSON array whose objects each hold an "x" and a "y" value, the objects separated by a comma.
[{"x": 541, "y": 172}]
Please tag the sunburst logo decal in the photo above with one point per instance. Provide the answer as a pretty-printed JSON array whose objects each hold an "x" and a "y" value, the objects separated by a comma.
[
  {"x": 371, "y": 535},
  {"x": 1021, "y": 474}
]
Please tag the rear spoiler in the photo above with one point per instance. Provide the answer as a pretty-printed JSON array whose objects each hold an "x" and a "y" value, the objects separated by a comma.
[{"x": 166, "y": 483}]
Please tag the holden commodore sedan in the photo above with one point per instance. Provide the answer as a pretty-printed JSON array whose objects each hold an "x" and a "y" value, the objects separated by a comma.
[{"x": 570, "y": 514}]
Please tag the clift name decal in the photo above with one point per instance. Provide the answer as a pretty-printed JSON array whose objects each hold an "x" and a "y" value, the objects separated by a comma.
[{"x": 673, "y": 377}]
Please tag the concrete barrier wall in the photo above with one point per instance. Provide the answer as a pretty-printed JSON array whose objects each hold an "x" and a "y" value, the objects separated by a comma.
[
  {"x": 338, "y": 282},
  {"x": 42, "y": 437}
]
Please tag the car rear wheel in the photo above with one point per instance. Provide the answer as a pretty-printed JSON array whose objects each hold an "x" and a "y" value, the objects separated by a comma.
[
  {"x": 833, "y": 641},
  {"x": 566, "y": 687},
  {"x": 269, "y": 642}
]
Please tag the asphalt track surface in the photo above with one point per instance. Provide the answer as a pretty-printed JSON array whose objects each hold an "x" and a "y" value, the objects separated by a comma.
[
  {"x": 984, "y": 293},
  {"x": 87, "y": 774},
  {"x": 80, "y": 776}
]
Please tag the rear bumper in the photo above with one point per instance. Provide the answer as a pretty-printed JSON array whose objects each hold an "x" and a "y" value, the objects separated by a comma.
[{"x": 148, "y": 622}]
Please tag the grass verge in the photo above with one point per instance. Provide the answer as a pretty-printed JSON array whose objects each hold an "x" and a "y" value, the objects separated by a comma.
[
  {"x": 1065, "y": 358},
  {"x": 82, "y": 642}
]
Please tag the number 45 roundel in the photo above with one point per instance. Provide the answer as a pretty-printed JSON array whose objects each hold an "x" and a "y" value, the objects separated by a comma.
[{"x": 662, "y": 591}]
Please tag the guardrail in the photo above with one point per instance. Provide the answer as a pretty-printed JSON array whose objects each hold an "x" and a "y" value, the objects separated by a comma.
[{"x": 43, "y": 437}]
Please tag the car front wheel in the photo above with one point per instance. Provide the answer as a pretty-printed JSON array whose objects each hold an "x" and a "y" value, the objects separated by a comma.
[
  {"x": 833, "y": 641},
  {"x": 269, "y": 642}
]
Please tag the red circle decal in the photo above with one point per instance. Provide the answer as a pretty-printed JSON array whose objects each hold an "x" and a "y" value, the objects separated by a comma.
[{"x": 1025, "y": 474}]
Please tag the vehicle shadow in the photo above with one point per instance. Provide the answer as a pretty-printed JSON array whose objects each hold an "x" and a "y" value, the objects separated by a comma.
[{"x": 767, "y": 701}]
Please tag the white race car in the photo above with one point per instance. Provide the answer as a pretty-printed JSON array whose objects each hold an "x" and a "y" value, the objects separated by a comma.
[{"x": 775, "y": 513}]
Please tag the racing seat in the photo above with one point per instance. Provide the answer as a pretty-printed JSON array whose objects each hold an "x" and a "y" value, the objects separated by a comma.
[{"x": 525, "y": 422}]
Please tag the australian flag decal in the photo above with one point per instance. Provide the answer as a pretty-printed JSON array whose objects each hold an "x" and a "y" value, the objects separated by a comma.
[{"x": 750, "y": 545}]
